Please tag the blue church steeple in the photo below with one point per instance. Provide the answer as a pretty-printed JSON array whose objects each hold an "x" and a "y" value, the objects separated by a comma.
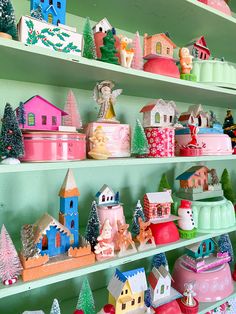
[{"x": 69, "y": 201}]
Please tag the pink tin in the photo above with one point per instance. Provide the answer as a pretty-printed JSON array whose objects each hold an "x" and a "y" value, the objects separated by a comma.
[
  {"x": 118, "y": 137},
  {"x": 220, "y": 5},
  {"x": 54, "y": 146}
]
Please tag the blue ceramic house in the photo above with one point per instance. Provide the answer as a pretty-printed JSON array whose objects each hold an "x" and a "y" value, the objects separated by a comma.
[
  {"x": 54, "y": 11},
  {"x": 202, "y": 249},
  {"x": 53, "y": 237}
]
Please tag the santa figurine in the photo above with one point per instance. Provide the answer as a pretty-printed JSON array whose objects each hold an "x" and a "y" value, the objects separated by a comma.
[
  {"x": 108, "y": 309},
  {"x": 186, "y": 223},
  {"x": 105, "y": 247}
]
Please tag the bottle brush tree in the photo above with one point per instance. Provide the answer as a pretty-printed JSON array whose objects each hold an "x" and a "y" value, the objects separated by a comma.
[
  {"x": 86, "y": 301},
  {"x": 108, "y": 49},
  {"x": 21, "y": 114},
  {"x": 164, "y": 184},
  {"x": 160, "y": 259},
  {"x": 10, "y": 266},
  {"x": 139, "y": 145},
  {"x": 227, "y": 186},
  {"x": 93, "y": 226},
  {"x": 89, "y": 50},
  {"x": 71, "y": 107},
  {"x": 138, "y": 212},
  {"x": 55, "y": 307},
  {"x": 7, "y": 19},
  {"x": 11, "y": 141},
  {"x": 137, "y": 62},
  {"x": 225, "y": 245},
  {"x": 37, "y": 13}
]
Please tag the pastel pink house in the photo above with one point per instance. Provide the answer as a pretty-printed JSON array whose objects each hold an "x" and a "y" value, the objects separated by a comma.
[
  {"x": 158, "y": 45},
  {"x": 198, "y": 48},
  {"x": 41, "y": 115},
  {"x": 157, "y": 205}
]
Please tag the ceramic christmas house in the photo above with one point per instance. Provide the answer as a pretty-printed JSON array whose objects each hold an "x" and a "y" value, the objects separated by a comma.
[
  {"x": 198, "y": 48},
  {"x": 34, "y": 32},
  {"x": 126, "y": 291},
  {"x": 52, "y": 238},
  {"x": 53, "y": 11},
  {"x": 195, "y": 115},
  {"x": 106, "y": 197},
  {"x": 157, "y": 205},
  {"x": 102, "y": 26}
]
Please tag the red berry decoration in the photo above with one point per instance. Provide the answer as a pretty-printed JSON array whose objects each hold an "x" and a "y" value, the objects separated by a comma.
[
  {"x": 10, "y": 131},
  {"x": 109, "y": 309},
  {"x": 9, "y": 147},
  {"x": 78, "y": 312}
]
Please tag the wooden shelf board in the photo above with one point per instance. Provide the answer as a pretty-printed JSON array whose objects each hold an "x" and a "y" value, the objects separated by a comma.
[
  {"x": 21, "y": 286},
  {"x": 183, "y": 19},
  {"x": 60, "y": 69},
  {"x": 116, "y": 162}
]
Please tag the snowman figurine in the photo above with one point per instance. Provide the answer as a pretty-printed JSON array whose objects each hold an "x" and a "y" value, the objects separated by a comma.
[{"x": 186, "y": 223}]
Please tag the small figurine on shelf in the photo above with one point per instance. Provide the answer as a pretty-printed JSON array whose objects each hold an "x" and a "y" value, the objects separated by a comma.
[
  {"x": 108, "y": 49},
  {"x": 55, "y": 309},
  {"x": 93, "y": 226},
  {"x": 186, "y": 223},
  {"x": 99, "y": 142},
  {"x": 145, "y": 236},
  {"x": 72, "y": 120},
  {"x": 105, "y": 247},
  {"x": 107, "y": 309},
  {"x": 86, "y": 300},
  {"x": 11, "y": 141},
  {"x": 124, "y": 240},
  {"x": 89, "y": 50},
  {"x": 126, "y": 53},
  {"x": 186, "y": 64},
  {"x": 8, "y": 28},
  {"x": 230, "y": 128},
  {"x": 139, "y": 145},
  {"x": 137, "y": 62},
  {"x": 106, "y": 99},
  {"x": 10, "y": 266},
  {"x": 193, "y": 148},
  {"x": 189, "y": 304}
]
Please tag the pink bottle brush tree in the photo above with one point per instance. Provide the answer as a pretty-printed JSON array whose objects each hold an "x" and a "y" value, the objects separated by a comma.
[
  {"x": 10, "y": 266},
  {"x": 137, "y": 62},
  {"x": 71, "y": 107}
]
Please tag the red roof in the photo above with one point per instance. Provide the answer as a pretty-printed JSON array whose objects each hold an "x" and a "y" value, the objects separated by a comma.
[
  {"x": 147, "y": 108},
  {"x": 184, "y": 117},
  {"x": 152, "y": 280}
]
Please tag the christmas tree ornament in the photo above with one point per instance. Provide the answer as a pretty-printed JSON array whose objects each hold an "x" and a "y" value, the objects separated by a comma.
[
  {"x": 11, "y": 141},
  {"x": 137, "y": 62},
  {"x": 73, "y": 118},
  {"x": 186, "y": 223},
  {"x": 86, "y": 301},
  {"x": 138, "y": 213},
  {"x": 89, "y": 50},
  {"x": 55, "y": 309},
  {"x": 10, "y": 266},
  {"x": 7, "y": 20},
  {"x": 126, "y": 52},
  {"x": 108, "y": 49},
  {"x": 93, "y": 226},
  {"x": 139, "y": 145}
]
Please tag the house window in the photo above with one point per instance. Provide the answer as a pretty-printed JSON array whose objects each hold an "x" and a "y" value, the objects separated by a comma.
[
  {"x": 59, "y": 5},
  {"x": 204, "y": 247},
  {"x": 31, "y": 119},
  {"x": 50, "y": 18},
  {"x": 50, "y": 2},
  {"x": 210, "y": 247},
  {"x": 158, "y": 48},
  {"x": 199, "y": 121},
  {"x": 139, "y": 299},
  {"x": 157, "y": 117},
  {"x": 44, "y": 243},
  {"x": 103, "y": 198},
  {"x": 165, "y": 118},
  {"x": 171, "y": 118},
  {"x": 199, "y": 250},
  {"x": 107, "y": 198},
  {"x": 58, "y": 239},
  {"x": 72, "y": 224},
  {"x": 44, "y": 120},
  {"x": 122, "y": 292},
  {"x": 167, "y": 50},
  {"x": 162, "y": 289},
  {"x": 100, "y": 29},
  {"x": 111, "y": 198},
  {"x": 201, "y": 55},
  {"x": 58, "y": 22},
  {"x": 153, "y": 212},
  {"x": 54, "y": 120},
  {"x": 126, "y": 291},
  {"x": 133, "y": 302},
  {"x": 71, "y": 204},
  {"x": 123, "y": 306}
]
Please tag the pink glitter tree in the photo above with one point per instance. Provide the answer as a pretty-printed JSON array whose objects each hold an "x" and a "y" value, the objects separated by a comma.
[
  {"x": 10, "y": 266},
  {"x": 137, "y": 62},
  {"x": 73, "y": 118}
]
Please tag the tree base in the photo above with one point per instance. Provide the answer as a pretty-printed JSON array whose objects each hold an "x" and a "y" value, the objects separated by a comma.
[
  {"x": 5, "y": 35},
  {"x": 10, "y": 161},
  {"x": 188, "y": 77},
  {"x": 187, "y": 234}
]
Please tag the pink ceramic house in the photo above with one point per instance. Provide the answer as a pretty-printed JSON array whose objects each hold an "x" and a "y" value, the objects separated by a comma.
[
  {"x": 158, "y": 45},
  {"x": 41, "y": 115}
]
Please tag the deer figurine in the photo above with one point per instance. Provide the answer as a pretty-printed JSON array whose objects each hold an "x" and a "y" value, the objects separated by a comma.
[
  {"x": 126, "y": 53},
  {"x": 124, "y": 240},
  {"x": 145, "y": 235}
]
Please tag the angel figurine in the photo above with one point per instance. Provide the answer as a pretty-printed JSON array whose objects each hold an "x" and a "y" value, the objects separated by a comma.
[{"x": 106, "y": 98}]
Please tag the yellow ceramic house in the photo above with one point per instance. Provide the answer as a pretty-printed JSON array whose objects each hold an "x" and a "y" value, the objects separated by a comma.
[{"x": 126, "y": 291}]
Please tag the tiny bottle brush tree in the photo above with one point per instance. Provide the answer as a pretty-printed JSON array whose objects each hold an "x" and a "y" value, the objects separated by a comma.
[
  {"x": 11, "y": 142},
  {"x": 109, "y": 51},
  {"x": 227, "y": 186},
  {"x": 7, "y": 20},
  {"x": 225, "y": 245},
  {"x": 10, "y": 266},
  {"x": 164, "y": 184},
  {"x": 137, "y": 62},
  {"x": 148, "y": 300},
  {"x": 21, "y": 114},
  {"x": 86, "y": 301},
  {"x": 29, "y": 248},
  {"x": 160, "y": 259},
  {"x": 37, "y": 13},
  {"x": 138, "y": 212},
  {"x": 139, "y": 146},
  {"x": 93, "y": 226},
  {"x": 55, "y": 307},
  {"x": 71, "y": 107},
  {"x": 89, "y": 50}
]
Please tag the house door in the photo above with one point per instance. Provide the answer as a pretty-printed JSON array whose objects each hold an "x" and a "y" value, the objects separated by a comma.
[
  {"x": 159, "y": 211},
  {"x": 158, "y": 48},
  {"x": 44, "y": 243},
  {"x": 58, "y": 239},
  {"x": 50, "y": 18},
  {"x": 199, "y": 121}
]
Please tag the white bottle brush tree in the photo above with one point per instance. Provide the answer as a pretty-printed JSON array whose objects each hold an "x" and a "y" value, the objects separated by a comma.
[
  {"x": 10, "y": 266},
  {"x": 55, "y": 307},
  {"x": 7, "y": 19},
  {"x": 71, "y": 107}
]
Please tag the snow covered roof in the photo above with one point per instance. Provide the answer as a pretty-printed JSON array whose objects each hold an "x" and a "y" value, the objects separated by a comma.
[
  {"x": 157, "y": 273},
  {"x": 194, "y": 247},
  {"x": 136, "y": 278},
  {"x": 69, "y": 187},
  {"x": 102, "y": 190},
  {"x": 162, "y": 106},
  {"x": 159, "y": 197},
  {"x": 165, "y": 37}
]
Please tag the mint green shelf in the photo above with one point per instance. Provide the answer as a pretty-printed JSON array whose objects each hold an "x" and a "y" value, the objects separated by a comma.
[
  {"x": 69, "y": 71},
  {"x": 21, "y": 286},
  {"x": 118, "y": 162}
]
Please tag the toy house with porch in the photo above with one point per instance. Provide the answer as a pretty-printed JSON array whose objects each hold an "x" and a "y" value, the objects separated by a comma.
[
  {"x": 159, "y": 114},
  {"x": 106, "y": 196},
  {"x": 158, "y": 45},
  {"x": 198, "y": 48},
  {"x": 202, "y": 249},
  {"x": 157, "y": 205},
  {"x": 126, "y": 291},
  {"x": 41, "y": 115},
  {"x": 54, "y": 11},
  {"x": 102, "y": 26},
  {"x": 195, "y": 115},
  {"x": 160, "y": 283}
]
